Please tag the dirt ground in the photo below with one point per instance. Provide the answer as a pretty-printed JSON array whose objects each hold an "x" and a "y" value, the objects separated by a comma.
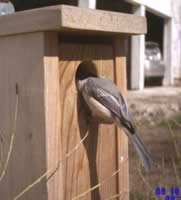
[{"x": 158, "y": 120}]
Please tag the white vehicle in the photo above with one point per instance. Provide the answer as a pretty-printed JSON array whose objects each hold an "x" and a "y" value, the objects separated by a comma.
[
  {"x": 153, "y": 64},
  {"x": 6, "y": 7}
]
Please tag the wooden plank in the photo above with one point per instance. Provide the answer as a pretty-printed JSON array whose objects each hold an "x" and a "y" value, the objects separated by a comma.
[
  {"x": 120, "y": 48},
  {"x": 93, "y": 162},
  {"x": 69, "y": 18},
  {"x": 52, "y": 115},
  {"x": 21, "y": 59}
]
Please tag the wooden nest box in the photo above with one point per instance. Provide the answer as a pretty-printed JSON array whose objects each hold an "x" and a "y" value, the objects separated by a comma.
[{"x": 40, "y": 51}]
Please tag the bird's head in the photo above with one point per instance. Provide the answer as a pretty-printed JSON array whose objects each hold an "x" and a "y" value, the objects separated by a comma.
[
  {"x": 81, "y": 80},
  {"x": 83, "y": 73}
]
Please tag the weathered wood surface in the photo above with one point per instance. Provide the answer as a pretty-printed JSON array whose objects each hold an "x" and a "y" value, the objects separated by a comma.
[
  {"x": 69, "y": 18},
  {"x": 120, "y": 49},
  {"x": 52, "y": 119},
  {"x": 52, "y": 93},
  {"x": 96, "y": 158},
  {"x": 21, "y": 62}
]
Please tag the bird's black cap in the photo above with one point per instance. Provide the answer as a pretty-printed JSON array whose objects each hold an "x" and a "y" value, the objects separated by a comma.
[{"x": 86, "y": 69}]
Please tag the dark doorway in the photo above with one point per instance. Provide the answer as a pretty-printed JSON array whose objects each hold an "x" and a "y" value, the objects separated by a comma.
[
  {"x": 155, "y": 25},
  {"x": 117, "y": 6},
  {"x": 25, "y": 5}
]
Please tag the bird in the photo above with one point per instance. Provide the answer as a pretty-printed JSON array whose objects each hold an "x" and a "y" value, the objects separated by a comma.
[{"x": 106, "y": 102}]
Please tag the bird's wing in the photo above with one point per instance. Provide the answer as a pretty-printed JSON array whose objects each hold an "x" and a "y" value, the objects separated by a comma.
[
  {"x": 112, "y": 101},
  {"x": 116, "y": 105}
]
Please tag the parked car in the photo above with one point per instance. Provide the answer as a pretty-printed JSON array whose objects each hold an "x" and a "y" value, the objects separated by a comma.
[{"x": 153, "y": 63}]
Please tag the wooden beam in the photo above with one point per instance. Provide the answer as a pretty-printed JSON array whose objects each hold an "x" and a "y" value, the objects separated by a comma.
[
  {"x": 120, "y": 45},
  {"x": 52, "y": 114},
  {"x": 22, "y": 63},
  {"x": 68, "y": 18}
]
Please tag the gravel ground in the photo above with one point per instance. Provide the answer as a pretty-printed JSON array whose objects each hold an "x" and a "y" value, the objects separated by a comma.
[
  {"x": 157, "y": 115},
  {"x": 153, "y": 104}
]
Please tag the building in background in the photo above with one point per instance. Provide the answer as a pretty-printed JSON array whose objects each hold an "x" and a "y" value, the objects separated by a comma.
[{"x": 164, "y": 28}]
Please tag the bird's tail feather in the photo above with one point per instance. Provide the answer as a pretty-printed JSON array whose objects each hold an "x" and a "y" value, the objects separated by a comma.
[
  {"x": 141, "y": 149},
  {"x": 142, "y": 152}
]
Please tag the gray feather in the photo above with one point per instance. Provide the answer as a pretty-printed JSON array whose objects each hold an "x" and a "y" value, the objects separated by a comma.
[
  {"x": 141, "y": 149},
  {"x": 105, "y": 92},
  {"x": 144, "y": 155}
]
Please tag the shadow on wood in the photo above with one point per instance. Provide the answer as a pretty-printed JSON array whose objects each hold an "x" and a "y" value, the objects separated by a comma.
[{"x": 87, "y": 124}]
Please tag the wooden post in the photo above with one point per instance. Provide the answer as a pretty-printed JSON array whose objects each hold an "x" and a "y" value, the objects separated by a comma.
[
  {"x": 120, "y": 46},
  {"x": 52, "y": 93}
]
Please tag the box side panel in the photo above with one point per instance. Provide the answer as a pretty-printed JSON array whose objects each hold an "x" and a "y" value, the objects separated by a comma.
[
  {"x": 55, "y": 185},
  {"x": 21, "y": 62}
]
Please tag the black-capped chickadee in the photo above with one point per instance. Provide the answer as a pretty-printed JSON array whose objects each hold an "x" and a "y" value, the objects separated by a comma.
[{"x": 107, "y": 103}]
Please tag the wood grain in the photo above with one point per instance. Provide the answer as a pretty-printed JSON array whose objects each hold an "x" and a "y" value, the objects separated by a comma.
[
  {"x": 53, "y": 119},
  {"x": 22, "y": 63},
  {"x": 69, "y": 18},
  {"x": 120, "y": 49},
  {"x": 52, "y": 115},
  {"x": 93, "y": 162}
]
